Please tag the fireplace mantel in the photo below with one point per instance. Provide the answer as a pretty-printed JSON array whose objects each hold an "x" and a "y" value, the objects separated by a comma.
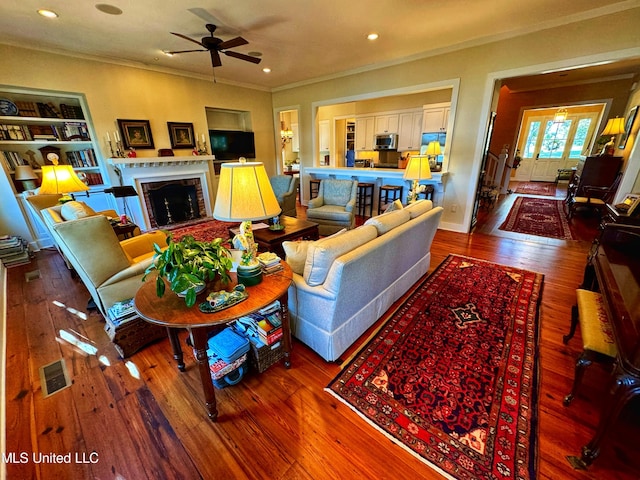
[{"x": 150, "y": 162}]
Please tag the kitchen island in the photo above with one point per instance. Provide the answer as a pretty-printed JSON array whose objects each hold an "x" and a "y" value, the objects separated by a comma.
[{"x": 380, "y": 176}]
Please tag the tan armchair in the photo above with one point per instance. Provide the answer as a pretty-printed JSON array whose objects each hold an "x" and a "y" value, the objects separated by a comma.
[
  {"x": 110, "y": 269},
  {"x": 334, "y": 207},
  {"x": 286, "y": 189}
]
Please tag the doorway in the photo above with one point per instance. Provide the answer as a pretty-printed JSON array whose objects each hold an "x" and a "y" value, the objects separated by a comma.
[
  {"x": 547, "y": 144},
  {"x": 289, "y": 140}
]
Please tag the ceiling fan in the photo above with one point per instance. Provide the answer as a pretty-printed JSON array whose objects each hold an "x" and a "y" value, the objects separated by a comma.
[{"x": 215, "y": 46}]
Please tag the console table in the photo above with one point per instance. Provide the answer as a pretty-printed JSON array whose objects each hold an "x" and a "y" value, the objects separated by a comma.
[{"x": 171, "y": 311}]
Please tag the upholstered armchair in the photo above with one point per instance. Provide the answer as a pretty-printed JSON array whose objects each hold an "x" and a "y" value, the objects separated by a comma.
[
  {"x": 110, "y": 269},
  {"x": 286, "y": 188},
  {"x": 334, "y": 207}
]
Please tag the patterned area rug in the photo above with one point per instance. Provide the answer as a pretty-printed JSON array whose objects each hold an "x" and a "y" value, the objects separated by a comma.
[
  {"x": 452, "y": 374},
  {"x": 204, "y": 230},
  {"x": 537, "y": 188},
  {"x": 538, "y": 216}
]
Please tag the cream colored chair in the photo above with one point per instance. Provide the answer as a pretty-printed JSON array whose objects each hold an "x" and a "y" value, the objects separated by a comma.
[
  {"x": 334, "y": 207},
  {"x": 111, "y": 270}
]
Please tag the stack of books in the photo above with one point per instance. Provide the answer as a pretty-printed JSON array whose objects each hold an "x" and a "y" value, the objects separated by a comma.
[
  {"x": 270, "y": 263},
  {"x": 121, "y": 312},
  {"x": 13, "y": 251}
]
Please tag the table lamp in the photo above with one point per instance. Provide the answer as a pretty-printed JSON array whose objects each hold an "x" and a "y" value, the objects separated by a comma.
[
  {"x": 417, "y": 169},
  {"x": 433, "y": 150},
  {"x": 614, "y": 126},
  {"x": 245, "y": 194},
  {"x": 26, "y": 175},
  {"x": 60, "y": 179}
]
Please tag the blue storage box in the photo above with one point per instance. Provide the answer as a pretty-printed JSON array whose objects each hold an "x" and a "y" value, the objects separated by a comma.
[{"x": 227, "y": 354}]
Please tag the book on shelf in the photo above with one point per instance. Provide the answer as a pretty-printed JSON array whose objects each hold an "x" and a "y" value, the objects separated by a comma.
[
  {"x": 71, "y": 111},
  {"x": 11, "y": 159},
  {"x": 27, "y": 109}
]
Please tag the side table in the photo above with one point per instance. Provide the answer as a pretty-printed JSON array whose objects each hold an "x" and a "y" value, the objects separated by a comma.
[
  {"x": 611, "y": 215},
  {"x": 170, "y": 311},
  {"x": 124, "y": 229}
]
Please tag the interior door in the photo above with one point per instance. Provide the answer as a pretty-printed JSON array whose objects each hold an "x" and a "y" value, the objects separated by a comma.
[{"x": 549, "y": 146}]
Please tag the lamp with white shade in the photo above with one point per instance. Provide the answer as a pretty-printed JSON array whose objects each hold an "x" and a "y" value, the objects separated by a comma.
[
  {"x": 26, "y": 175},
  {"x": 245, "y": 194},
  {"x": 614, "y": 126},
  {"x": 60, "y": 179},
  {"x": 417, "y": 169}
]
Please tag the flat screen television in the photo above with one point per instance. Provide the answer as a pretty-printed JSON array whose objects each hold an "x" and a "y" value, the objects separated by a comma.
[{"x": 232, "y": 144}]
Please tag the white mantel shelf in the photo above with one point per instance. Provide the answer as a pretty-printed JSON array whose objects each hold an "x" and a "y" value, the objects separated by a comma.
[{"x": 149, "y": 162}]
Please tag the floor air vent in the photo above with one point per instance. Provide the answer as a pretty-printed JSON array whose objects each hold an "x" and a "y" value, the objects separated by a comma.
[{"x": 54, "y": 377}]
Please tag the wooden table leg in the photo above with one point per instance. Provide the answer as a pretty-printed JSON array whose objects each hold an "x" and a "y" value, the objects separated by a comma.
[
  {"x": 199, "y": 341},
  {"x": 286, "y": 329},
  {"x": 625, "y": 387},
  {"x": 176, "y": 347}
]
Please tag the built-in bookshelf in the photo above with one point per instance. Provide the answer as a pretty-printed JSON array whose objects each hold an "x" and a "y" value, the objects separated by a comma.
[{"x": 34, "y": 123}]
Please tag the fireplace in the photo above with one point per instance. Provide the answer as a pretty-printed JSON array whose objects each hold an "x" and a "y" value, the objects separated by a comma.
[
  {"x": 170, "y": 190},
  {"x": 171, "y": 202}
]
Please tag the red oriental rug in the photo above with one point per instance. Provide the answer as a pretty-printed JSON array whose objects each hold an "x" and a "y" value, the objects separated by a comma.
[
  {"x": 204, "y": 230},
  {"x": 537, "y": 188},
  {"x": 538, "y": 216},
  {"x": 452, "y": 376}
]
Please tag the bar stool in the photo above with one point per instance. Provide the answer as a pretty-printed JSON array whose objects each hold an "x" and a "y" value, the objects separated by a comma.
[
  {"x": 365, "y": 198},
  {"x": 314, "y": 188},
  {"x": 597, "y": 335},
  {"x": 388, "y": 194}
]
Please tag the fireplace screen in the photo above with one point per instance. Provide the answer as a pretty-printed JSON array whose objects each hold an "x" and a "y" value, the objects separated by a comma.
[{"x": 173, "y": 202}]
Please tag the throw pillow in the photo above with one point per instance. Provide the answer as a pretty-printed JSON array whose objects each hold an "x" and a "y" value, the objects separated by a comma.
[
  {"x": 322, "y": 253},
  {"x": 396, "y": 205},
  {"x": 418, "y": 208},
  {"x": 388, "y": 221},
  {"x": 74, "y": 210},
  {"x": 296, "y": 254}
]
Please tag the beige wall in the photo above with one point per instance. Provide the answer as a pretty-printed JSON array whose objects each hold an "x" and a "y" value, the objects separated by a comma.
[{"x": 476, "y": 68}]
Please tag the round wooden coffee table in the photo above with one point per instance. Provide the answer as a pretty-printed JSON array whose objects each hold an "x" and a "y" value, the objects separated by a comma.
[{"x": 171, "y": 311}]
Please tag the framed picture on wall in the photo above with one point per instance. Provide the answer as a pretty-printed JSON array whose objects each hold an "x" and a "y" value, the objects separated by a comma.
[
  {"x": 135, "y": 133},
  {"x": 628, "y": 124},
  {"x": 181, "y": 135}
]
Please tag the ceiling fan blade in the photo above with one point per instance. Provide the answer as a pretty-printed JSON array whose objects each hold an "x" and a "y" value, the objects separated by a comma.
[
  {"x": 242, "y": 56},
  {"x": 186, "y": 51},
  {"x": 186, "y": 38},
  {"x": 215, "y": 58},
  {"x": 234, "y": 42}
]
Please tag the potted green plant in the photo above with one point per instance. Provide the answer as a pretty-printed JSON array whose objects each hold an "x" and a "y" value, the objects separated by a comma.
[{"x": 188, "y": 264}]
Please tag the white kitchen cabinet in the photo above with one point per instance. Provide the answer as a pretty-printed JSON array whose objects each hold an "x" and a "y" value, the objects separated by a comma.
[
  {"x": 325, "y": 136},
  {"x": 410, "y": 131},
  {"x": 364, "y": 133},
  {"x": 387, "y": 123},
  {"x": 435, "y": 119}
]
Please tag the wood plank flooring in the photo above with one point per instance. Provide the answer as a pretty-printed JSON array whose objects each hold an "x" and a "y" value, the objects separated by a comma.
[{"x": 142, "y": 418}]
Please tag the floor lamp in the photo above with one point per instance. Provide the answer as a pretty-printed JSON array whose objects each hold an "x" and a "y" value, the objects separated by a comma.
[{"x": 123, "y": 192}]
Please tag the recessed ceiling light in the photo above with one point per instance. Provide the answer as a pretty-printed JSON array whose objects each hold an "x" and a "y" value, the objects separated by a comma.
[
  {"x": 108, "y": 9},
  {"x": 48, "y": 13},
  {"x": 372, "y": 36},
  {"x": 266, "y": 70}
]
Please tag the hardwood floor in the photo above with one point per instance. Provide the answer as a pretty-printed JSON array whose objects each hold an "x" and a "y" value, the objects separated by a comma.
[{"x": 142, "y": 418}]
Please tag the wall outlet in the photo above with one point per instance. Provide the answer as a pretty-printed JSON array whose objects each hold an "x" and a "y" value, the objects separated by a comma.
[{"x": 454, "y": 207}]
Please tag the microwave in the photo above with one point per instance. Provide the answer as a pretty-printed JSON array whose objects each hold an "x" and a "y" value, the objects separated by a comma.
[{"x": 386, "y": 141}]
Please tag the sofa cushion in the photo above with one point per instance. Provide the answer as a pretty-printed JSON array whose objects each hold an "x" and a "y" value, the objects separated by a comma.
[
  {"x": 296, "y": 254},
  {"x": 74, "y": 210},
  {"x": 322, "y": 253},
  {"x": 388, "y": 221},
  {"x": 416, "y": 209}
]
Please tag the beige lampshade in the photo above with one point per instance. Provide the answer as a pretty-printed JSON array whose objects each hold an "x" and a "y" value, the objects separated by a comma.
[
  {"x": 614, "y": 126},
  {"x": 60, "y": 179},
  {"x": 418, "y": 168},
  {"x": 433, "y": 148},
  {"x": 244, "y": 193},
  {"x": 25, "y": 172}
]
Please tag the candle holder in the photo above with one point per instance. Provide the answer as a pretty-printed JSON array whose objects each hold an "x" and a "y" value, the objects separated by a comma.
[
  {"x": 113, "y": 154},
  {"x": 119, "y": 149},
  {"x": 202, "y": 148}
]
